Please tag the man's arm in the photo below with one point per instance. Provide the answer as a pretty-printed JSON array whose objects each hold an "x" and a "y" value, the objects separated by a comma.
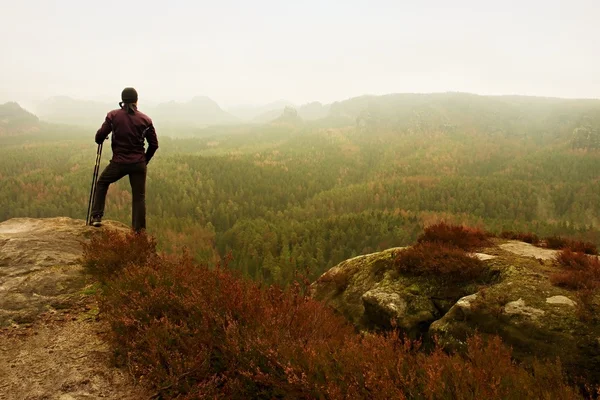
[
  {"x": 152, "y": 143},
  {"x": 104, "y": 130}
]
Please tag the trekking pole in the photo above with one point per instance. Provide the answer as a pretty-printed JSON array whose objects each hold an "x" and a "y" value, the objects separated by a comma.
[{"x": 88, "y": 219}]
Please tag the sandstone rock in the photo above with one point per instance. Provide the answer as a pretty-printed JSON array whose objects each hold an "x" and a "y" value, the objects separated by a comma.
[
  {"x": 561, "y": 300},
  {"x": 371, "y": 294},
  {"x": 528, "y": 250},
  {"x": 343, "y": 286},
  {"x": 39, "y": 265},
  {"x": 519, "y": 308},
  {"x": 534, "y": 317},
  {"x": 412, "y": 313},
  {"x": 462, "y": 309}
]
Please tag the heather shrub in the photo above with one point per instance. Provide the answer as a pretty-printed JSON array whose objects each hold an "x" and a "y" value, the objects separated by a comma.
[
  {"x": 579, "y": 271},
  {"x": 190, "y": 332},
  {"x": 448, "y": 263},
  {"x": 110, "y": 251},
  {"x": 584, "y": 247},
  {"x": 466, "y": 238},
  {"x": 557, "y": 242},
  {"x": 178, "y": 323},
  {"x": 526, "y": 237}
]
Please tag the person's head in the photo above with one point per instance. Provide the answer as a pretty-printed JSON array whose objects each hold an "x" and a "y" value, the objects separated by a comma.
[
  {"x": 129, "y": 98},
  {"x": 129, "y": 95}
]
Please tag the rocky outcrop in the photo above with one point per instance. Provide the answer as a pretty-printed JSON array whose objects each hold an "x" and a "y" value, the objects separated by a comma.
[
  {"x": 289, "y": 117},
  {"x": 518, "y": 302},
  {"x": 373, "y": 295},
  {"x": 39, "y": 265}
]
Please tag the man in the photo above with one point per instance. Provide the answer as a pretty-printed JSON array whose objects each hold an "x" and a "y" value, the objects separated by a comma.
[{"x": 129, "y": 128}]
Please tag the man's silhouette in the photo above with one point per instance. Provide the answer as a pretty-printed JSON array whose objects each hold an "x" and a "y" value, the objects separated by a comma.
[{"x": 130, "y": 128}]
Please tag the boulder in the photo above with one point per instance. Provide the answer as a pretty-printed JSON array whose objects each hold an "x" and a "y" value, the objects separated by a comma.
[{"x": 40, "y": 268}]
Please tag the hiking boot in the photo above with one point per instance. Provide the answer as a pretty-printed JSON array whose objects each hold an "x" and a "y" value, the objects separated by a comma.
[{"x": 96, "y": 221}]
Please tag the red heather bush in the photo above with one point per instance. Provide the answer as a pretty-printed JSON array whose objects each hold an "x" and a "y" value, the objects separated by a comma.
[
  {"x": 190, "y": 333},
  {"x": 573, "y": 260},
  {"x": 523, "y": 237},
  {"x": 465, "y": 238},
  {"x": 584, "y": 247},
  {"x": 580, "y": 271},
  {"x": 557, "y": 242},
  {"x": 110, "y": 251},
  {"x": 449, "y": 263}
]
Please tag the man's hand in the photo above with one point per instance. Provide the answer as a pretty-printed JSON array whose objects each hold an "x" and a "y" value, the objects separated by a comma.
[{"x": 100, "y": 142}]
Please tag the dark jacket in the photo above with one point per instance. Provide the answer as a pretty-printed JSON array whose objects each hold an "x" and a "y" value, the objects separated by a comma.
[{"x": 128, "y": 134}]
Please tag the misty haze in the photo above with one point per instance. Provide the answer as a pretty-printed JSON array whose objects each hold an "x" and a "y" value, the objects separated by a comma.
[{"x": 317, "y": 200}]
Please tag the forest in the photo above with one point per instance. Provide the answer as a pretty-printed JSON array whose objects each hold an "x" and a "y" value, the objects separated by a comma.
[{"x": 296, "y": 195}]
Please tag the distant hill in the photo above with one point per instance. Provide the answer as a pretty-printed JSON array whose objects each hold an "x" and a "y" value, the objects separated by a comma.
[
  {"x": 66, "y": 110},
  {"x": 270, "y": 115},
  {"x": 14, "y": 119},
  {"x": 200, "y": 111},
  {"x": 262, "y": 113},
  {"x": 313, "y": 111},
  {"x": 450, "y": 112},
  {"x": 404, "y": 113}
]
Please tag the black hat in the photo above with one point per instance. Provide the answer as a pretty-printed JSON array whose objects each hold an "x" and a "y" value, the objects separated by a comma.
[{"x": 129, "y": 95}]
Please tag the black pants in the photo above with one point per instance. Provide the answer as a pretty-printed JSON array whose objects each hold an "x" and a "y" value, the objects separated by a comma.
[{"x": 137, "y": 178}]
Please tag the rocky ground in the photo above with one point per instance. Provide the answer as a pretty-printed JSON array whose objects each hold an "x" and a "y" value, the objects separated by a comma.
[{"x": 51, "y": 341}]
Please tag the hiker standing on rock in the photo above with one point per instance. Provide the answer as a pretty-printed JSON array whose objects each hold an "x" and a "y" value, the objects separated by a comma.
[{"x": 129, "y": 128}]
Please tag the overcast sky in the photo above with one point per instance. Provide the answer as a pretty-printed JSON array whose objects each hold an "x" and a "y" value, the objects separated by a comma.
[{"x": 252, "y": 52}]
